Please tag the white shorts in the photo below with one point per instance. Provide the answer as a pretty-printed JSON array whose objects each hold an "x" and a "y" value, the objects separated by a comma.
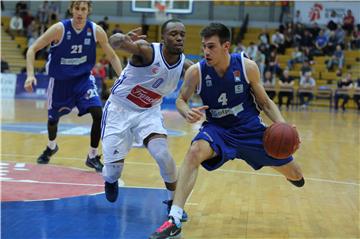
[{"x": 123, "y": 128}]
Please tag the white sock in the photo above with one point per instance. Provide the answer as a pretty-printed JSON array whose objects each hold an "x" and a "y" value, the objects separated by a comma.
[
  {"x": 176, "y": 212},
  {"x": 93, "y": 152},
  {"x": 170, "y": 194},
  {"x": 52, "y": 144}
]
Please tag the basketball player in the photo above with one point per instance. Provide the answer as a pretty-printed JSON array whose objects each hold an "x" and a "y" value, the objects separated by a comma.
[
  {"x": 72, "y": 56},
  {"x": 132, "y": 113},
  {"x": 229, "y": 86}
]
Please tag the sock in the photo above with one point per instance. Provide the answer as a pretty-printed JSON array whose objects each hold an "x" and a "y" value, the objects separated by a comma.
[
  {"x": 297, "y": 183},
  {"x": 52, "y": 144},
  {"x": 93, "y": 152},
  {"x": 170, "y": 194},
  {"x": 176, "y": 212}
]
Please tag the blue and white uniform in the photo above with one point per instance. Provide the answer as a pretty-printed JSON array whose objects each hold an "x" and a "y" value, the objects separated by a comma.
[
  {"x": 133, "y": 111},
  {"x": 69, "y": 67},
  {"x": 233, "y": 126}
]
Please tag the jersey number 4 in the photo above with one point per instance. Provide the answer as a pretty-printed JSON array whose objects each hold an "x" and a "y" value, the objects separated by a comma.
[
  {"x": 76, "y": 49},
  {"x": 222, "y": 99}
]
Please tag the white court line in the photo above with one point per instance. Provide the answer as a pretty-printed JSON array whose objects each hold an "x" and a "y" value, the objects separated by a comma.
[{"x": 218, "y": 170}]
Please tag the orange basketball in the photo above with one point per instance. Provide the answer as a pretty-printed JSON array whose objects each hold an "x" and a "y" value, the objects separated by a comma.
[{"x": 281, "y": 140}]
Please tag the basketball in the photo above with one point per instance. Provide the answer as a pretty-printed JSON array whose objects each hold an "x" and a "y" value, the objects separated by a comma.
[{"x": 281, "y": 140}]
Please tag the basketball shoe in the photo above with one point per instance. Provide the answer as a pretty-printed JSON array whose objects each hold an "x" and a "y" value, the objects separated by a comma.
[
  {"x": 111, "y": 191},
  {"x": 168, "y": 230},
  {"x": 44, "y": 158},
  {"x": 94, "y": 163},
  {"x": 184, "y": 217}
]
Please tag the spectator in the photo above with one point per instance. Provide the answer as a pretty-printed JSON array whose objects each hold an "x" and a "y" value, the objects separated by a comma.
[
  {"x": 264, "y": 38},
  {"x": 336, "y": 59},
  {"x": 21, "y": 8},
  {"x": 297, "y": 57},
  {"x": 334, "y": 20},
  {"x": 269, "y": 84},
  {"x": 286, "y": 83},
  {"x": 357, "y": 94},
  {"x": 259, "y": 59},
  {"x": 285, "y": 8},
  {"x": 306, "y": 39},
  {"x": 16, "y": 25},
  {"x": 340, "y": 35},
  {"x": 239, "y": 47},
  {"x": 298, "y": 17},
  {"x": 278, "y": 41},
  {"x": 104, "y": 24},
  {"x": 43, "y": 16},
  {"x": 117, "y": 29},
  {"x": 305, "y": 68},
  {"x": 54, "y": 12},
  {"x": 348, "y": 22},
  {"x": 252, "y": 50},
  {"x": 99, "y": 72},
  {"x": 343, "y": 87},
  {"x": 306, "y": 87},
  {"x": 4, "y": 66},
  {"x": 355, "y": 38},
  {"x": 273, "y": 63},
  {"x": 321, "y": 42}
]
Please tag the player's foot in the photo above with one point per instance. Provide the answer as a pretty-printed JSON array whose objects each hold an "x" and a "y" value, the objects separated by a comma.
[
  {"x": 111, "y": 191},
  {"x": 168, "y": 230},
  {"x": 94, "y": 163},
  {"x": 184, "y": 217},
  {"x": 44, "y": 158}
]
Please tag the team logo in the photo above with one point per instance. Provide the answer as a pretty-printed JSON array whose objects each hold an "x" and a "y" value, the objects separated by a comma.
[
  {"x": 208, "y": 81},
  {"x": 88, "y": 33},
  {"x": 315, "y": 12},
  {"x": 157, "y": 83},
  {"x": 68, "y": 35},
  {"x": 237, "y": 76}
]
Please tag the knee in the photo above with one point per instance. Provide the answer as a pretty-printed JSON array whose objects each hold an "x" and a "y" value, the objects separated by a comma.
[{"x": 194, "y": 155}]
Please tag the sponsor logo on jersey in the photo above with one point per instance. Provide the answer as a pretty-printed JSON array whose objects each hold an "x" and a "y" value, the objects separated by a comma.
[
  {"x": 68, "y": 35},
  {"x": 208, "y": 81},
  {"x": 157, "y": 83},
  {"x": 88, "y": 33},
  {"x": 143, "y": 97},
  {"x": 239, "y": 89},
  {"x": 87, "y": 41},
  {"x": 73, "y": 61},
  {"x": 219, "y": 113}
]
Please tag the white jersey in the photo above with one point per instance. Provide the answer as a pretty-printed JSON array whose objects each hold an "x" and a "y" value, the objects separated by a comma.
[{"x": 143, "y": 87}]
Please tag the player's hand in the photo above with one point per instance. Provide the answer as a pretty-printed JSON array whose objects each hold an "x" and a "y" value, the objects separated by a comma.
[
  {"x": 195, "y": 114},
  {"x": 298, "y": 146},
  {"x": 135, "y": 34},
  {"x": 28, "y": 85}
]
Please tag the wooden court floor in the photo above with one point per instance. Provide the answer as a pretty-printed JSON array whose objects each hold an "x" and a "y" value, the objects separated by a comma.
[{"x": 235, "y": 201}]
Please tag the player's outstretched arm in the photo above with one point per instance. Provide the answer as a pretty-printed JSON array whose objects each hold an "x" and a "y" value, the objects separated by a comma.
[
  {"x": 53, "y": 34},
  {"x": 109, "y": 52},
  {"x": 191, "y": 81},
  {"x": 262, "y": 99}
]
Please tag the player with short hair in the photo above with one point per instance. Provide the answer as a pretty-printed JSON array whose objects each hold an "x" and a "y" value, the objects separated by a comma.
[
  {"x": 230, "y": 88},
  {"x": 132, "y": 113},
  {"x": 71, "y": 59}
]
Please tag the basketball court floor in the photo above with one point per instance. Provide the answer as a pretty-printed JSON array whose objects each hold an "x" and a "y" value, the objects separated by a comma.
[{"x": 65, "y": 199}]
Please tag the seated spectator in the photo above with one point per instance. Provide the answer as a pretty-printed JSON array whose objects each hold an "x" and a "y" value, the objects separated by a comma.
[
  {"x": 357, "y": 94},
  {"x": 104, "y": 24},
  {"x": 355, "y": 38},
  {"x": 269, "y": 84},
  {"x": 259, "y": 59},
  {"x": 333, "y": 21},
  {"x": 252, "y": 50},
  {"x": 286, "y": 83},
  {"x": 336, "y": 59},
  {"x": 306, "y": 87},
  {"x": 321, "y": 42},
  {"x": 343, "y": 86},
  {"x": 273, "y": 63},
  {"x": 340, "y": 36},
  {"x": 4, "y": 66},
  {"x": 117, "y": 29},
  {"x": 54, "y": 12},
  {"x": 348, "y": 22},
  {"x": 306, "y": 38},
  {"x": 16, "y": 25},
  {"x": 99, "y": 72},
  {"x": 264, "y": 38},
  {"x": 278, "y": 41},
  {"x": 305, "y": 68},
  {"x": 297, "y": 57},
  {"x": 239, "y": 47},
  {"x": 43, "y": 16}
]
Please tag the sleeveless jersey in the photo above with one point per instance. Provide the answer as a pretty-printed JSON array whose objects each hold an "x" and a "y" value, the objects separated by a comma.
[
  {"x": 230, "y": 100},
  {"x": 143, "y": 87},
  {"x": 74, "y": 55}
]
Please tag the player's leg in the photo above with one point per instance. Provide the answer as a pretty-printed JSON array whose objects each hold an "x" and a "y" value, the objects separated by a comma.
[
  {"x": 199, "y": 151},
  {"x": 88, "y": 101},
  {"x": 292, "y": 172},
  {"x": 157, "y": 146},
  {"x": 116, "y": 141},
  {"x": 93, "y": 159}
]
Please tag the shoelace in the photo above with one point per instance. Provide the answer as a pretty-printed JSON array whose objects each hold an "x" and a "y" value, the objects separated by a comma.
[{"x": 164, "y": 226}]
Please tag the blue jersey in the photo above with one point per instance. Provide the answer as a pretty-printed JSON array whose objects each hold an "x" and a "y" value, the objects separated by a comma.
[
  {"x": 230, "y": 100},
  {"x": 74, "y": 56}
]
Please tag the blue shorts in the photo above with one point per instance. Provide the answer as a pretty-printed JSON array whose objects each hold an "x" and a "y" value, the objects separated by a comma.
[
  {"x": 64, "y": 95},
  {"x": 242, "y": 142}
]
